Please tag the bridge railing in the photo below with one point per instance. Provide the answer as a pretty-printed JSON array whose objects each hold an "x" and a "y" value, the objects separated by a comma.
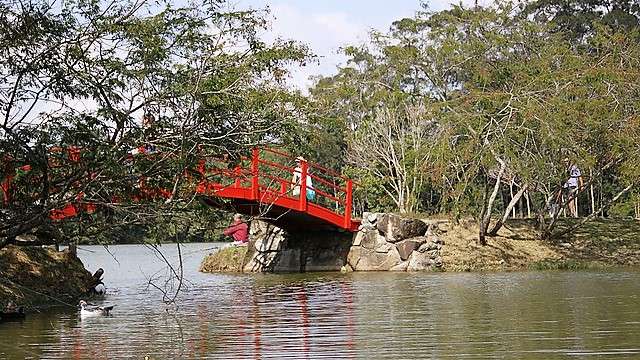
[
  {"x": 317, "y": 185},
  {"x": 269, "y": 174}
]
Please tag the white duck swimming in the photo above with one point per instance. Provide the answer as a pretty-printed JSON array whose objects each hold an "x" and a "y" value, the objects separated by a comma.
[{"x": 87, "y": 310}]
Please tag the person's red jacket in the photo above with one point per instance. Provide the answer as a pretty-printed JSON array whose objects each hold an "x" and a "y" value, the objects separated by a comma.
[{"x": 239, "y": 231}]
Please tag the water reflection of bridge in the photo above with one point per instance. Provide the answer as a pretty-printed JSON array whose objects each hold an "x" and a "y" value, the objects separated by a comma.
[{"x": 285, "y": 320}]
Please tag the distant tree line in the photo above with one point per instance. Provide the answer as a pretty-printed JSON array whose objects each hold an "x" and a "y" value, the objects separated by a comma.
[{"x": 471, "y": 111}]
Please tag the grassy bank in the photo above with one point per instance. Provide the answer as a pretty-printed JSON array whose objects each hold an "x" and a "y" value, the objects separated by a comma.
[
  {"x": 598, "y": 244},
  {"x": 602, "y": 243},
  {"x": 229, "y": 259},
  {"x": 35, "y": 276}
]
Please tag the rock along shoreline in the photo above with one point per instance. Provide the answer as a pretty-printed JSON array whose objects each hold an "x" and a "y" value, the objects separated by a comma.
[{"x": 37, "y": 277}]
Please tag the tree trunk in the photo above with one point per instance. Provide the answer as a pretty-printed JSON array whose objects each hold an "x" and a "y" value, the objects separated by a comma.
[
  {"x": 9, "y": 236},
  {"x": 520, "y": 207},
  {"x": 513, "y": 211},
  {"x": 512, "y": 203},
  {"x": 600, "y": 197},
  {"x": 556, "y": 199},
  {"x": 484, "y": 223},
  {"x": 481, "y": 236},
  {"x": 591, "y": 192}
]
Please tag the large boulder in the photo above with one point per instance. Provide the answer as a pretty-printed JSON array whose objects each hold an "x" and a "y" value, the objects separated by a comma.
[
  {"x": 396, "y": 228},
  {"x": 384, "y": 247},
  {"x": 428, "y": 246},
  {"x": 406, "y": 247},
  {"x": 373, "y": 240},
  {"x": 288, "y": 261},
  {"x": 420, "y": 262},
  {"x": 271, "y": 241},
  {"x": 261, "y": 262},
  {"x": 371, "y": 218},
  {"x": 400, "y": 267},
  {"x": 362, "y": 259},
  {"x": 324, "y": 260},
  {"x": 357, "y": 238}
]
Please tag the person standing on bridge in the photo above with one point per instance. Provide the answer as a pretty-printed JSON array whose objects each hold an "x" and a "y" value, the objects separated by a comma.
[
  {"x": 239, "y": 230},
  {"x": 297, "y": 177}
]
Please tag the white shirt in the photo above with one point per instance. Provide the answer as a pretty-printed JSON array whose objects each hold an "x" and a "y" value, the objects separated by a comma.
[{"x": 297, "y": 175}]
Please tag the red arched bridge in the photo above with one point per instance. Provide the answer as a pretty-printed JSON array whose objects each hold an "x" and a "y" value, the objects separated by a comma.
[
  {"x": 264, "y": 185},
  {"x": 270, "y": 184}
]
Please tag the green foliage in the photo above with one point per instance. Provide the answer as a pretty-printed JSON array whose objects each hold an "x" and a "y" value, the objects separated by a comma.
[
  {"x": 210, "y": 83},
  {"x": 576, "y": 18},
  {"x": 500, "y": 87},
  {"x": 423, "y": 116},
  {"x": 569, "y": 264}
]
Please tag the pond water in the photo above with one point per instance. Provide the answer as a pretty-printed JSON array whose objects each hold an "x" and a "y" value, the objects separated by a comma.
[{"x": 518, "y": 315}]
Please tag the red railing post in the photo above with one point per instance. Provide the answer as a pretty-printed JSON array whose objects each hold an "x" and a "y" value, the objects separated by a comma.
[
  {"x": 348, "y": 204},
  {"x": 283, "y": 187},
  {"x": 237, "y": 173},
  {"x": 6, "y": 190},
  {"x": 255, "y": 166},
  {"x": 303, "y": 186}
]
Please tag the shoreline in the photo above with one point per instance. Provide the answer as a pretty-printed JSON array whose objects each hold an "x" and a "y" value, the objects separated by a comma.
[
  {"x": 36, "y": 277},
  {"x": 599, "y": 245}
]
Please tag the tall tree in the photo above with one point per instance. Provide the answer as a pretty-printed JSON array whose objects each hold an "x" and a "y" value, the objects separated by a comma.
[
  {"x": 577, "y": 18},
  {"x": 76, "y": 76}
]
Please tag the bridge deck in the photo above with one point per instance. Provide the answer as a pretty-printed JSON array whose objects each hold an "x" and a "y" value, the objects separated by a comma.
[{"x": 257, "y": 187}]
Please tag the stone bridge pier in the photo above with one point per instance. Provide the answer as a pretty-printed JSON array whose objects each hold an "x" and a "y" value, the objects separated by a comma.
[{"x": 384, "y": 242}]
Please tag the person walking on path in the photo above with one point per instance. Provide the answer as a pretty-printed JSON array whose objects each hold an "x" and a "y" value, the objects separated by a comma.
[
  {"x": 572, "y": 186},
  {"x": 238, "y": 230}
]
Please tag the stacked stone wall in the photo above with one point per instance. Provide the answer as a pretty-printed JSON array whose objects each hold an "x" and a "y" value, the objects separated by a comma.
[
  {"x": 384, "y": 242},
  {"x": 388, "y": 242}
]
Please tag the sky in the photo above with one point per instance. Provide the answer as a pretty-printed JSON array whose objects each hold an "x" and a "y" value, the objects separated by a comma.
[{"x": 327, "y": 25}]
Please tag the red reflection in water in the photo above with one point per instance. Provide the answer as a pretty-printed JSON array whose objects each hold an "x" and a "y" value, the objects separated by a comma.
[
  {"x": 203, "y": 326},
  {"x": 96, "y": 349},
  {"x": 257, "y": 334},
  {"x": 247, "y": 311},
  {"x": 77, "y": 345},
  {"x": 347, "y": 295},
  {"x": 304, "y": 312}
]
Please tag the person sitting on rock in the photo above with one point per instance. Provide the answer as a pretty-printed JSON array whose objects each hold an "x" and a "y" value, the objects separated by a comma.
[{"x": 239, "y": 230}]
